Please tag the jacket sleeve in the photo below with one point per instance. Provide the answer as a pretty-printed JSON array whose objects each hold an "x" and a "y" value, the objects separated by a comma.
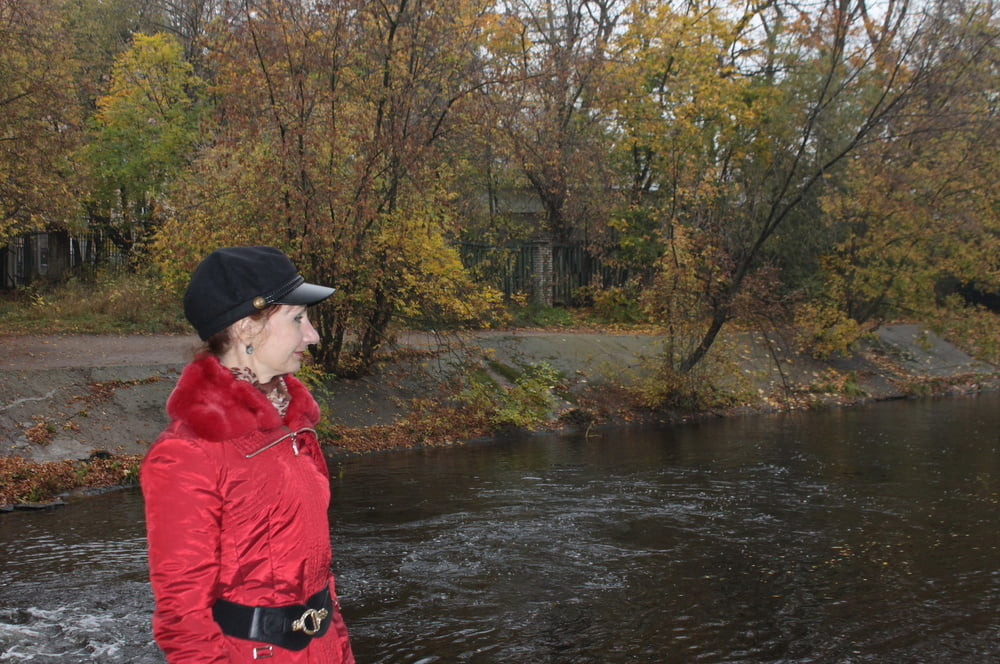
[{"x": 183, "y": 515}]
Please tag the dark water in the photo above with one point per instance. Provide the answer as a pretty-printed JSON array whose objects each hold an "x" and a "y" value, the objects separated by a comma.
[{"x": 857, "y": 535}]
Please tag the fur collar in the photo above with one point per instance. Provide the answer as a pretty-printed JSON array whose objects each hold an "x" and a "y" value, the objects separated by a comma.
[{"x": 216, "y": 406}]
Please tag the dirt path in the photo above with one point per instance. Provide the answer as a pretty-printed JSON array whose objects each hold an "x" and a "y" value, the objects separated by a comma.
[{"x": 27, "y": 352}]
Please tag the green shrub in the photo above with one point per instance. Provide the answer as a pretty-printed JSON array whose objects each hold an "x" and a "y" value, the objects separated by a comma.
[
  {"x": 526, "y": 401},
  {"x": 535, "y": 315}
]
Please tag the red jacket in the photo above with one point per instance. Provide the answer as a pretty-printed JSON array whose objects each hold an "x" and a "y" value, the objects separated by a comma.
[{"x": 231, "y": 515}]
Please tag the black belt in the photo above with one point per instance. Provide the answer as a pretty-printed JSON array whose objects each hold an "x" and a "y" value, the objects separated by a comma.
[{"x": 290, "y": 627}]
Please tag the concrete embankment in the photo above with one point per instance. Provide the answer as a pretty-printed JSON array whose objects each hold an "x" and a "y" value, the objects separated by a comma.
[{"x": 65, "y": 397}]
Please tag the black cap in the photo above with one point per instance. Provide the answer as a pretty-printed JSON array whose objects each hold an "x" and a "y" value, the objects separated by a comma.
[{"x": 234, "y": 282}]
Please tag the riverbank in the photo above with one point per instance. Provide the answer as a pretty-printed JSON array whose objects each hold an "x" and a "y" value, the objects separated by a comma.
[{"x": 99, "y": 399}]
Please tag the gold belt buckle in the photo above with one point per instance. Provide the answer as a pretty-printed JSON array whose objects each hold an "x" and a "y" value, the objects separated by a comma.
[{"x": 310, "y": 621}]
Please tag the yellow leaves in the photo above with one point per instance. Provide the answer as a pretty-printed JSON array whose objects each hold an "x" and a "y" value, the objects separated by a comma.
[
  {"x": 150, "y": 81},
  {"x": 689, "y": 270},
  {"x": 424, "y": 273},
  {"x": 826, "y": 329},
  {"x": 502, "y": 35},
  {"x": 909, "y": 214}
]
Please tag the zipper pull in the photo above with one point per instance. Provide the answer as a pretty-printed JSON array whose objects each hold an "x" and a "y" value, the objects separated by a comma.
[{"x": 295, "y": 445}]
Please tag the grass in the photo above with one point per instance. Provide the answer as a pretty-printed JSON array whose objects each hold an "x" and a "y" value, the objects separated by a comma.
[
  {"x": 110, "y": 304},
  {"x": 118, "y": 303},
  {"x": 593, "y": 317},
  {"x": 533, "y": 315}
]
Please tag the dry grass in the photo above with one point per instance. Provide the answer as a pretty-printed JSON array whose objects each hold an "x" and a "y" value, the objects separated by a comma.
[
  {"x": 113, "y": 304},
  {"x": 426, "y": 424}
]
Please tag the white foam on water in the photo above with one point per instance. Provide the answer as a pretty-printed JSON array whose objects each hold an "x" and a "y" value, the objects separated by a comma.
[{"x": 75, "y": 634}]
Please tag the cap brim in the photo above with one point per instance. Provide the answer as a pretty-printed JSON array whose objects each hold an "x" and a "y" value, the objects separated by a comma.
[{"x": 306, "y": 294}]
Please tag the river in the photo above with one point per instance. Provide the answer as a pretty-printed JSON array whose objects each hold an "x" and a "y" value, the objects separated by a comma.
[{"x": 864, "y": 534}]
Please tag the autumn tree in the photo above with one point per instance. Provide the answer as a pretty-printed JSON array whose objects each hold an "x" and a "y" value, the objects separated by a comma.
[
  {"x": 145, "y": 131},
  {"x": 548, "y": 59},
  {"x": 739, "y": 153},
  {"x": 330, "y": 122},
  {"x": 682, "y": 114},
  {"x": 189, "y": 21},
  {"x": 98, "y": 31},
  {"x": 40, "y": 119},
  {"x": 922, "y": 211}
]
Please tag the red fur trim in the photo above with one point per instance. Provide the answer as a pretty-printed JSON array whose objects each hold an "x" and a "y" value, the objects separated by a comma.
[
  {"x": 303, "y": 405},
  {"x": 216, "y": 406}
]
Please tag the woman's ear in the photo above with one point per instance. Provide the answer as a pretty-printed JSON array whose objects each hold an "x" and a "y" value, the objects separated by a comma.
[{"x": 247, "y": 330}]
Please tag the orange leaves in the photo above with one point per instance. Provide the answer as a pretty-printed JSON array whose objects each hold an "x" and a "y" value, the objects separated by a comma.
[
  {"x": 40, "y": 118},
  {"x": 27, "y": 481}
]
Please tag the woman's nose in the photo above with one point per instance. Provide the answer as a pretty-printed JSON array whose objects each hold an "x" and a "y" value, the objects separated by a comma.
[{"x": 311, "y": 335}]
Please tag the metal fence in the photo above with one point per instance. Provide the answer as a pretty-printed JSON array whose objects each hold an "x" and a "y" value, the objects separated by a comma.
[
  {"x": 573, "y": 268},
  {"x": 51, "y": 256},
  {"x": 551, "y": 273},
  {"x": 508, "y": 269}
]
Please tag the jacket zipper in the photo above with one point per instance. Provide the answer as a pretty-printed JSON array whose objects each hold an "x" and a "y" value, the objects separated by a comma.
[{"x": 291, "y": 434}]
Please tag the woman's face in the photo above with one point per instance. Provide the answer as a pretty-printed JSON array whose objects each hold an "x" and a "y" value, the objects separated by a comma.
[{"x": 282, "y": 343}]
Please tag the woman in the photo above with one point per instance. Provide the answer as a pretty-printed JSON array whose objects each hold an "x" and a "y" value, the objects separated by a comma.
[{"x": 236, "y": 487}]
